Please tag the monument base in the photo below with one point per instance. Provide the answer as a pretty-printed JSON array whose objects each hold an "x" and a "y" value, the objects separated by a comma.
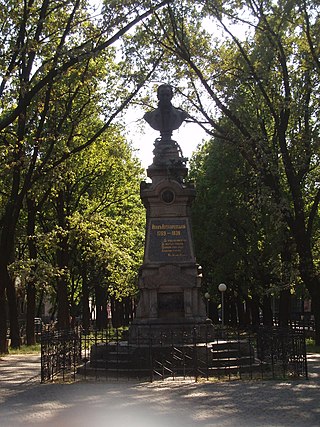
[{"x": 167, "y": 331}]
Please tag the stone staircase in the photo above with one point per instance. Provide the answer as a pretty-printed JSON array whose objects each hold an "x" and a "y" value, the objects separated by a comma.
[
  {"x": 214, "y": 359},
  {"x": 230, "y": 358}
]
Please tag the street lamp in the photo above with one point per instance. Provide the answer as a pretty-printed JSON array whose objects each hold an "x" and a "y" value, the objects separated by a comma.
[
  {"x": 222, "y": 288},
  {"x": 207, "y": 297}
]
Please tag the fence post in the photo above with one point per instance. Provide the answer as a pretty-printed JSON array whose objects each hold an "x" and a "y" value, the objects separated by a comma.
[
  {"x": 150, "y": 354},
  {"x": 195, "y": 355},
  {"x": 305, "y": 360},
  {"x": 42, "y": 361}
]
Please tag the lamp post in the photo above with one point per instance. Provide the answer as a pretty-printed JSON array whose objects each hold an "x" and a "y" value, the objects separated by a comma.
[
  {"x": 207, "y": 297},
  {"x": 222, "y": 288}
]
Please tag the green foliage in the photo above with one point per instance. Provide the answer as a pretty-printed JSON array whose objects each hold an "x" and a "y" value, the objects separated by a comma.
[
  {"x": 27, "y": 349},
  {"x": 249, "y": 74},
  {"x": 311, "y": 346},
  {"x": 63, "y": 84},
  {"x": 103, "y": 223},
  {"x": 238, "y": 230}
]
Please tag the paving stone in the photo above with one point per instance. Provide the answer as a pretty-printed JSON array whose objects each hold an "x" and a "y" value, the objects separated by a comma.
[{"x": 180, "y": 403}]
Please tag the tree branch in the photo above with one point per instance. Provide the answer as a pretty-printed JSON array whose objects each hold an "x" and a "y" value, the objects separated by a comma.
[{"x": 56, "y": 71}]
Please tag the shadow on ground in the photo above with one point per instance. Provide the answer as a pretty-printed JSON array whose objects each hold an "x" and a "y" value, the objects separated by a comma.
[{"x": 163, "y": 404}]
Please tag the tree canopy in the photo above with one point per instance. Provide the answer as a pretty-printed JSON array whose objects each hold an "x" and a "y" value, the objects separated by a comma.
[
  {"x": 249, "y": 74},
  {"x": 63, "y": 84}
]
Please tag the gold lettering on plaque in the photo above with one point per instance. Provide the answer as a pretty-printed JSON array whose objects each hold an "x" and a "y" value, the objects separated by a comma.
[
  {"x": 169, "y": 227},
  {"x": 169, "y": 239}
]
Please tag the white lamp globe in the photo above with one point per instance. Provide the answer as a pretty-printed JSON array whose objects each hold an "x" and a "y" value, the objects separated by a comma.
[{"x": 222, "y": 287}]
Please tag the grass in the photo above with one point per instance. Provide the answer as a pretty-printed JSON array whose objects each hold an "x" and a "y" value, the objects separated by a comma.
[
  {"x": 311, "y": 346},
  {"x": 25, "y": 349}
]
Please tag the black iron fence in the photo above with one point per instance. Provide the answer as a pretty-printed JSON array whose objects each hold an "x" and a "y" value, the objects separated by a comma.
[
  {"x": 264, "y": 353},
  {"x": 61, "y": 354}
]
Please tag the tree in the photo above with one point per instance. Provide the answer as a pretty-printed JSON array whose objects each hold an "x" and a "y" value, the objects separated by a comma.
[
  {"x": 106, "y": 221},
  {"x": 264, "y": 83},
  {"x": 238, "y": 236},
  {"x": 89, "y": 231},
  {"x": 44, "y": 41}
]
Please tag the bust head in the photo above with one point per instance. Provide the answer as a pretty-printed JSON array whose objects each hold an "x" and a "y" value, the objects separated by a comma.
[{"x": 165, "y": 93}]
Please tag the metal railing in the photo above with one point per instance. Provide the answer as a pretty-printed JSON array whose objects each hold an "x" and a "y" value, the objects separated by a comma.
[
  {"x": 61, "y": 354},
  {"x": 225, "y": 354}
]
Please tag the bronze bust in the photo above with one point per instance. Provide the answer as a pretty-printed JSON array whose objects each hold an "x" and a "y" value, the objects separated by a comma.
[{"x": 166, "y": 117}]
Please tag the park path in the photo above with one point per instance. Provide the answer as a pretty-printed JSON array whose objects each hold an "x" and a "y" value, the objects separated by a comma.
[{"x": 24, "y": 402}]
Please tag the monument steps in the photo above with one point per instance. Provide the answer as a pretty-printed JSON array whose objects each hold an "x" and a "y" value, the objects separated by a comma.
[
  {"x": 214, "y": 359},
  {"x": 233, "y": 357}
]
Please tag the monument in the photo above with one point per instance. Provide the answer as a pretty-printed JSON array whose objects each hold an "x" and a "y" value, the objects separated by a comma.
[{"x": 170, "y": 301}]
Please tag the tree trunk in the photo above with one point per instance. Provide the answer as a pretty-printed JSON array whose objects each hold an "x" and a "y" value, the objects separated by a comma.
[
  {"x": 314, "y": 290},
  {"x": 226, "y": 313},
  {"x": 63, "y": 316},
  {"x": 12, "y": 305},
  {"x": 31, "y": 313},
  {"x": 316, "y": 313},
  {"x": 267, "y": 311},
  {"x": 233, "y": 312},
  {"x": 9, "y": 223},
  {"x": 241, "y": 312},
  {"x": 254, "y": 308},
  {"x": 31, "y": 289},
  {"x": 85, "y": 301},
  {"x": 285, "y": 295},
  {"x": 117, "y": 310},
  {"x": 3, "y": 321},
  {"x": 310, "y": 277},
  {"x": 284, "y": 307},
  {"x": 127, "y": 310},
  {"x": 213, "y": 312},
  {"x": 40, "y": 302},
  {"x": 6, "y": 283},
  {"x": 62, "y": 262},
  {"x": 247, "y": 311},
  {"x": 13, "y": 315},
  {"x": 101, "y": 307}
]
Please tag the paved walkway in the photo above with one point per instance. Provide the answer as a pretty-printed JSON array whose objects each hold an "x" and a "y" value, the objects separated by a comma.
[{"x": 25, "y": 402}]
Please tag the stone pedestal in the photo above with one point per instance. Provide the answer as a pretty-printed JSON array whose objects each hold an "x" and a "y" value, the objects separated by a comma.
[{"x": 170, "y": 278}]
